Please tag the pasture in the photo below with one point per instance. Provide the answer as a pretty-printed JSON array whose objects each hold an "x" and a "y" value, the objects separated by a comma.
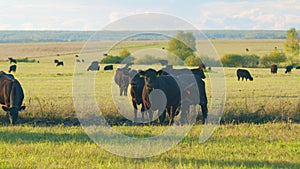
[{"x": 48, "y": 135}]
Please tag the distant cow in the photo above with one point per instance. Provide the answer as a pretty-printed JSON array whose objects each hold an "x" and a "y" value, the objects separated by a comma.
[
  {"x": 274, "y": 69},
  {"x": 60, "y": 63},
  {"x": 108, "y": 67},
  {"x": 94, "y": 66},
  {"x": 11, "y": 60},
  {"x": 11, "y": 96},
  {"x": 298, "y": 67},
  {"x": 12, "y": 68},
  {"x": 78, "y": 60},
  {"x": 122, "y": 79},
  {"x": 288, "y": 69},
  {"x": 242, "y": 73}
]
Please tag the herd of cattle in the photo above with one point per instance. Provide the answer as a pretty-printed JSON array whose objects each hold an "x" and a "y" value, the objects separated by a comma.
[{"x": 181, "y": 87}]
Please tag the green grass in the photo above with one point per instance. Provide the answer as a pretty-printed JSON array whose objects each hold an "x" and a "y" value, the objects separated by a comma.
[
  {"x": 48, "y": 97},
  {"x": 231, "y": 146}
]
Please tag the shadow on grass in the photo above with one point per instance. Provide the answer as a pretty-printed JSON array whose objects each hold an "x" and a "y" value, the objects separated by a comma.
[{"x": 215, "y": 163}]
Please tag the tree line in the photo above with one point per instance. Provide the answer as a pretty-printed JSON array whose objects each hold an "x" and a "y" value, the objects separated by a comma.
[{"x": 75, "y": 36}]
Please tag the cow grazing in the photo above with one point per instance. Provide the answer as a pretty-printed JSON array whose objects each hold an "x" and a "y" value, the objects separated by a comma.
[
  {"x": 94, "y": 66},
  {"x": 274, "y": 69},
  {"x": 288, "y": 69},
  {"x": 12, "y": 68},
  {"x": 122, "y": 79},
  {"x": 298, "y": 67},
  {"x": 168, "y": 85},
  {"x": 11, "y": 60},
  {"x": 242, "y": 73},
  {"x": 60, "y": 63},
  {"x": 137, "y": 84},
  {"x": 108, "y": 67},
  {"x": 11, "y": 96}
]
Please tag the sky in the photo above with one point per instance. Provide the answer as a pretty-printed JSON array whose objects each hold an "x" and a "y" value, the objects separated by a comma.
[{"x": 97, "y": 14}]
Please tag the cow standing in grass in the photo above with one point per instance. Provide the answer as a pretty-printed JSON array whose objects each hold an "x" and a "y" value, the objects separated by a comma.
[
  {"x": 122, "y": 79},
  {"x": 244, "y": 74},
  {"x": 11, "y": 96},
  {"x": 137, "y": 84},
  {"x": 166, "y": 84},
  {"x": 274, "y": 69}
]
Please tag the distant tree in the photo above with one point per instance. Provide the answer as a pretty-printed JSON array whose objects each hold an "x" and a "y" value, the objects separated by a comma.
[
  {"x": 232, "y": 60},
  {"x": 192, "y": 61},
  {"x": 111, "y": 59},
  {"x": 182, "y": 45},
  {"x": 124, "y": 53},
  {"x": 291, "y": 45},
  {"x": 274, "y": 57},
  {"x": 250, "y": 60}
]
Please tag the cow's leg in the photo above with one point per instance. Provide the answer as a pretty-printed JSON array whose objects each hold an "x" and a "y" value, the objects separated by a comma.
[
  {"x": 125, "y": 91},
  {"x": 238, "y": 78},
  {"x": 135, "y": 111},
  {"x": 184, "y": 113},
  {"x": 121, "y": 91},
  {"x": 204, "y": 112},
  {"x": 162, "y": 117},
  {"x": 143, "y": 112}
]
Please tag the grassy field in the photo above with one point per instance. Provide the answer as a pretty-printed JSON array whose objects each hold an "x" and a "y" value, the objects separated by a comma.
[
  {"x": 47, "y": 135},
  {"x": 231, "y": 146}
]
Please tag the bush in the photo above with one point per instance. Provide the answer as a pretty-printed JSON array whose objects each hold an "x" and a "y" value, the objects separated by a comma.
[
  {"x": 26, "y": 60},
  {"x": 192, "y": 61},
  {"x": 273, "y": 58},
  {"x": 111, "y": 60}
]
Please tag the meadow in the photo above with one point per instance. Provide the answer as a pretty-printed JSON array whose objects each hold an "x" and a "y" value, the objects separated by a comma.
[{"x": 267, "y": 111}]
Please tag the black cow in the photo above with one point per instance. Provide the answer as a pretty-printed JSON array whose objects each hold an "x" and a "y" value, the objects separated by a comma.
[
  {"x": 11, "y": 60},
  {"x": 242, "y": 73},
  {"x": 274, "y": 69},
  {"x": 298, "y": 67},
  {"x": 60, "y": 63},
  {"x": 108, "y": 67},
  {"x": 94, "y": 66},
  {"x": 168, "y": 85},
  {"x": 137, "y": 84},
  {"x": 192, "y": 92},
  {"x": 11, "y": 96},
  {"x": 288, "y": 69},
  {"x": 176, "y": 72},
  {"x": 12, "y": 68},
  {"x": 122, "y": 79}
]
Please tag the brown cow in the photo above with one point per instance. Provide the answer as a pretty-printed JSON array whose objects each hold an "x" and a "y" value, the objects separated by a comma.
[
  {"x": 11, "y": 96},
  {"x": 122, "y": 79},
  {"x": 274, "y": 69}
]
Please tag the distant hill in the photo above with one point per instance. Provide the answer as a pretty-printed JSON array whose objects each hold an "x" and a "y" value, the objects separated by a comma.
[{"x": 77, "y": 36}]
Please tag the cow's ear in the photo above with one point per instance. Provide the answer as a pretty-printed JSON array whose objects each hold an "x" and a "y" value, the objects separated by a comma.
[
  {"x": 5, "y": 108},
  {"x": 22, "y": 108}
]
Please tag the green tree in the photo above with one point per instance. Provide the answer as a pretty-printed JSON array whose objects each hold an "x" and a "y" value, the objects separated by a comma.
[
  {"x": 250, "y": 60},
  {"x": 291, "y": 45},
  {"x": 182, "y": 45},
  {"x": 124, "y": 53},
  {"x": 232, "y": 60},
  {"x": 192, "y": 61},
  {"x": 274, "y": 57}
]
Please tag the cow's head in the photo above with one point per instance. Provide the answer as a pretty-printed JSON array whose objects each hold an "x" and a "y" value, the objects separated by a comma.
[
  {"x": 13, "y": 113},
  {"x": 251, "y": 78},
  {"x": 150, "y": 77}
]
